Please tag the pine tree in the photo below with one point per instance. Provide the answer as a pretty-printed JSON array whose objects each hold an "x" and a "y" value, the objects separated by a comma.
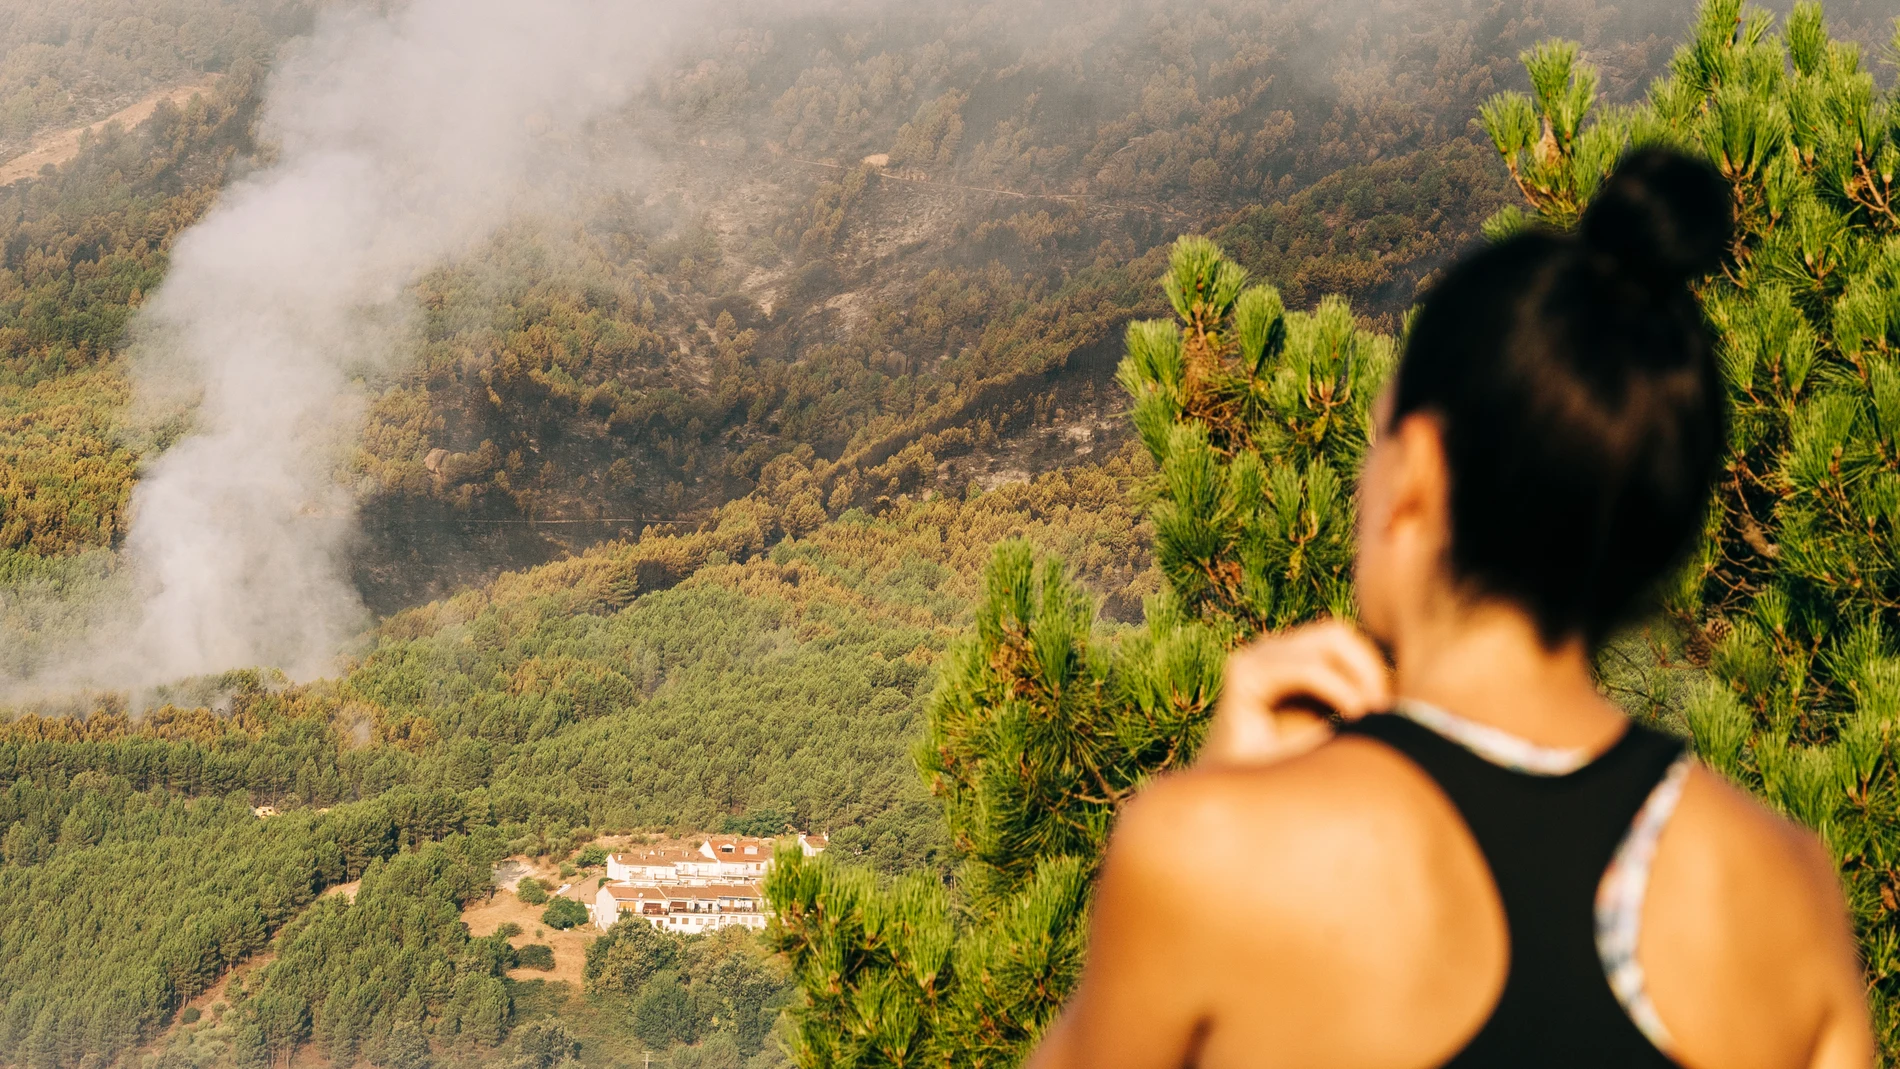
[
  {"x": 1793, "y": 604},
  {"x": 1041, "y": 728}
]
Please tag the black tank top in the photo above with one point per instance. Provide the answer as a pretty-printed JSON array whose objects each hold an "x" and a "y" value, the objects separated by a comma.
[{"x": 1547, "y": 840}]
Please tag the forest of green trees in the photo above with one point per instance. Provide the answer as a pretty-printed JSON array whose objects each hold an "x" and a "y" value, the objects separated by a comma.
[
  {"x": 834, "y": 611},
  {"x": 680, "y": 682}
]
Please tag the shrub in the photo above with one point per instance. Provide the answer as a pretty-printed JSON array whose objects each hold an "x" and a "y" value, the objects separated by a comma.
[
  {"x": 545, "y": 1044},
  {"x": 531, "y": 891},
  {"x": 664, "y": 1013},
  {"x": 535, "y": 956},
  {"x": 631, "y": 953},
  {"x": 759, "y": 822},
  {"x": 564, "y": 913}
]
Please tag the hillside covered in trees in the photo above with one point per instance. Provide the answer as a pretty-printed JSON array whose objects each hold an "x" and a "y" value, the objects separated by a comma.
[
  {"x": 677, "y": 517},
  {"x": 741, "y": 299},
  {"x": 680, "y": 682}
]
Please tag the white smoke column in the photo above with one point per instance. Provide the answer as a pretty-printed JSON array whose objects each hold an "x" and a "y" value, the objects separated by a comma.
[{"x": 400, "y": 141}]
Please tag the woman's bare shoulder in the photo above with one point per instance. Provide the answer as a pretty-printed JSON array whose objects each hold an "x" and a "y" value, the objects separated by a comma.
[
  {"x": 1346, "y": 869},
  {"x": 1335, "y": 829},
  {"x": 1724, "y": 839},
  {"x": 1746, "y": 940},
  {"x": 1346, "y": 780}
]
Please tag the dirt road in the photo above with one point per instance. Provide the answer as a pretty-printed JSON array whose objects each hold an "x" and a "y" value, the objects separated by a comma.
[{"x": 58, "y": 147}]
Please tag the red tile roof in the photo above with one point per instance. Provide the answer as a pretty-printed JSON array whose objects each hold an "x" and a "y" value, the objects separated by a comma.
[
  {"x": 627, "y": 893},
  {"x": 660, "y": 856},
  {"x": 739, "y": 847}
]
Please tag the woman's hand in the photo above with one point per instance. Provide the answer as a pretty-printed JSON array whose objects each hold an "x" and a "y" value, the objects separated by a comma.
[{"x": 1278, "y": 689}]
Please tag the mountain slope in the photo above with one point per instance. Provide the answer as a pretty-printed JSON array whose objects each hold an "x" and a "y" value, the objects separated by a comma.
[{"x": 732, "y": 295}]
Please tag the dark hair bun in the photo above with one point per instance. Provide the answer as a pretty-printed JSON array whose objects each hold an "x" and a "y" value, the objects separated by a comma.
[
  {"x": 1575, "y": 382},
  {"x": 1662, "y": 216}
]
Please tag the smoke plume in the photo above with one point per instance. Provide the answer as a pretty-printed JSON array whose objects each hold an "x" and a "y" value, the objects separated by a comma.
[{"x": 398, "y": 142}]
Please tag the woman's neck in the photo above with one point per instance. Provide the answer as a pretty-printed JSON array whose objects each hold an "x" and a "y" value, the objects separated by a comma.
[{"x": 1488, "y": 663}]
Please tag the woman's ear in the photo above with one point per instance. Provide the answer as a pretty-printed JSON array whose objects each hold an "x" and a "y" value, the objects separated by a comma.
[
  {"x": 1403, "y": 526},
  {"x": 1420, "y": 510}
]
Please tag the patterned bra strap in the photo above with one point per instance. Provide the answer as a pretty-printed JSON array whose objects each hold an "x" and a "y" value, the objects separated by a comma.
[
  {"x": 1619, "y": 905},
  {"x": 1495, "y": 745}
]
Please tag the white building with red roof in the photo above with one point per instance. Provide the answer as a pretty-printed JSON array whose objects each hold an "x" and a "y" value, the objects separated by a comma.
[
  {"x": 658, "y": 864},
  {"x": 693, "y": 885},
  {"x": 682, "y": 907},
  {"x": 712, "y": 859}
]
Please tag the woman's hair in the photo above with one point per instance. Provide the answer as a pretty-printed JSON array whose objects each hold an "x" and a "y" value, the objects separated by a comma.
[{"x": 1576, "y": 384}]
